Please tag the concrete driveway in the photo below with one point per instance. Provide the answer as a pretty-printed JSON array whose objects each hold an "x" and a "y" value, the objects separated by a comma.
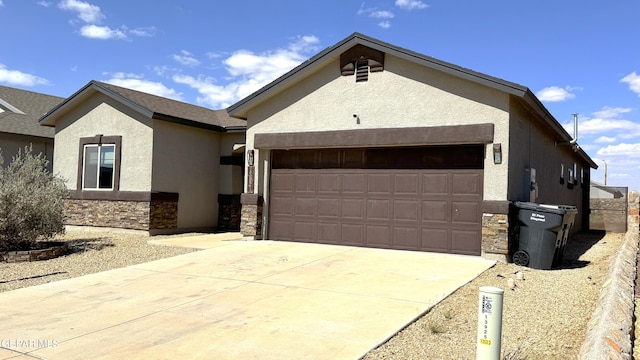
[{"x": 234, "y": 300}]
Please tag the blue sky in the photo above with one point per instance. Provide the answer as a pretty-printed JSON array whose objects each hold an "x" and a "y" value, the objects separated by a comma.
[{"x": 576, "y": 56}]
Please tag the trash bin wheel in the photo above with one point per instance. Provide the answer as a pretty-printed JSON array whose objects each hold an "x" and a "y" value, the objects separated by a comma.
[{"x": 521, "y": 258}]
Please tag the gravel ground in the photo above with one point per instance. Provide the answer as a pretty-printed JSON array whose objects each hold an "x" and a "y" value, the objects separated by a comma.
[
  {"x": 544, "y": 316},
  {"x": 89, "y": 252}
]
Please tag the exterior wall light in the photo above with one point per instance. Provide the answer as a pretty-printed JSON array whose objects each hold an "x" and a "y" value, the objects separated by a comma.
[
  {"x": 250, "y": 157},
  {"x": 497, "y": 153}
]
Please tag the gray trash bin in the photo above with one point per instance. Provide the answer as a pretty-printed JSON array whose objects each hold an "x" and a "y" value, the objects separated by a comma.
[{"x": 544, "y": 230}]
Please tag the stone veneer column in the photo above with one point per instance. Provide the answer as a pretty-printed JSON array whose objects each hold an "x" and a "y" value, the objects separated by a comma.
[
  {"x": 251, "y": 216},
  {"x": 634, "y": 207},
  {"x": 495, "y": 229}
]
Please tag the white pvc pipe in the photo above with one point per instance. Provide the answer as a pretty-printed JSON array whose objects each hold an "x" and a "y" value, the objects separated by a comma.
[{"x": 489, "y": 339}]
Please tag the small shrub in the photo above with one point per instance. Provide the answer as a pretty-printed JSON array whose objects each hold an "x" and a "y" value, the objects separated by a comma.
[
  {"x": 448, "y": 315},
  {"x": 31, "y": 201},
  {"x": 436, "y": 328}
]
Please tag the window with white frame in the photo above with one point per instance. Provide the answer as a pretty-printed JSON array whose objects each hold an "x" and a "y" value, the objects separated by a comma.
[{"x": 99, "y": 164}]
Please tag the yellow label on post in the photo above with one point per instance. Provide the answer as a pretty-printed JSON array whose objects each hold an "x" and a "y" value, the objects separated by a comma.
[{"x": 485, "y": 342}]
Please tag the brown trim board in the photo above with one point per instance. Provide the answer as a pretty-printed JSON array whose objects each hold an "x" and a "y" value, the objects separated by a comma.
[
  {"x": 495, "y": 206},
  {"x": 123, "y": 195},
  {"x": 436, "y": 135}
]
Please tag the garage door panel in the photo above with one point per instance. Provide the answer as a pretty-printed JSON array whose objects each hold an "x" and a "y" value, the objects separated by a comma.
[
  {"x": 328, "y": 233},
  {"x": 435, "y": 211},
  {"x": 436, "y": 240},
  {"x": 353, "y": 209},
  {"x": 328, "y": 208},
  {"x": 406, "y": 184},
  {"x": 406, "y": 238},
  {"x": 281, "y": 229},
  {"x": 406, "y": 210},
  {"x": 283, "y": 206},
  {"x": 352, "y": 234},
  {"x": 306, "y": 183},
  {"x": 379, "y": 209},
  {"x": 354, "y": 184},
  {"x": 435, "y": 184},
  {"x": 379, "y": 184},
  {"x": 466, "y": 184},
  {"x": 329, "y": 184},
  {"x": 305, "y": 206},
  {"x": 282, "y": 182},
  {"x": 465, "y": 242},
  {"x": 305, "y": 231},
  {"x": 466, "y": 212},
  {"x": 378, "y": 236}
]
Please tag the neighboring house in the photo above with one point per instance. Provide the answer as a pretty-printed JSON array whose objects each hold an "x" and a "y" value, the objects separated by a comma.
[
  {"x": 138, "y": 161},
  {"x": 369, "y": 144},
  {"x": 19, "y": 127}
]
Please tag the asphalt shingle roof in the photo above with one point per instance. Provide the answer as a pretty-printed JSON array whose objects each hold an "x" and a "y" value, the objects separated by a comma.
[{"x": 31, "y": 106}]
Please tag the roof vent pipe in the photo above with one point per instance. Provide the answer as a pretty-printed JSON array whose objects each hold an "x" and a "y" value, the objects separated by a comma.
[{"x": 575, "y": 129}]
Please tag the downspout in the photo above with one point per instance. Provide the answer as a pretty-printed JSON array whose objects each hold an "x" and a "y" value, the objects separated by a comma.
[{"x": 575, "y": 130}]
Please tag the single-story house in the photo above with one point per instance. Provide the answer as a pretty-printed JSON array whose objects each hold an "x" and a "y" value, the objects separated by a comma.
[
  {"x": 19, "y": 127},
  {"x": 138, "y": 161},
  {"x": 370, "y": 144}
]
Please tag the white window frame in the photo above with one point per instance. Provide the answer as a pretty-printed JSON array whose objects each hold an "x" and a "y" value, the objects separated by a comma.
[{"x": 99, "y": 147}]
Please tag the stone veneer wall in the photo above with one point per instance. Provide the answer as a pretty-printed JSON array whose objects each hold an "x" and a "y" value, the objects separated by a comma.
[
  {"x": 229, "y": 212},
  {"x": 251, "y": 216},
  {"x": 157, "y": 213},
  {"x": 495, "y": 233}
]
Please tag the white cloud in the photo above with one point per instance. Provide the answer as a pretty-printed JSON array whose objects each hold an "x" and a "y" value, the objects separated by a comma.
[
  {"x": 633, "y": 80},
  {"x": 411, "y": 4},
  {"x": 1, "y": 4},
  {"x": 384, "y": 24},
  {"x": 45, "y": 3},
  {"x": 555, "y": 94},
  {"x": 597, "y": 126},
  {"x": 605, "y": 139},
  {"x": 137, "y": 82},
  {"x": 381, "y": 14},
  {"x": 101, "y": 32},
  {"x": 86, "y": 12},
  {"x": 185, "y": 58},
  {"x": 143, "y": 31},
  {"x": 611, "y": 112},
  {"x": 248, "y": 71},
  {"x": 622, "y": 149},
  {"x": 16, "y": 77}
]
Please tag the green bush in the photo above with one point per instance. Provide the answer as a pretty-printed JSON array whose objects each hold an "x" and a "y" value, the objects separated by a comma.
[{"x": 31, "y": 202}]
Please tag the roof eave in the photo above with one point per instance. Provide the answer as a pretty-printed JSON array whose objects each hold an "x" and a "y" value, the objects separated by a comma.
[
  {"x": 240, "y": 108},
  {"x": 51, "y": 116}
]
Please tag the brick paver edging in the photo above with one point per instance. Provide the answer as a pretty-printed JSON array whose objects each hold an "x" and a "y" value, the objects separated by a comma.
[{"x": 609, "y": 332}]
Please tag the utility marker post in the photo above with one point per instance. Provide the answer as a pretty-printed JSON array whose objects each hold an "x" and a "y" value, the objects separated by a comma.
[{"x": 489, "y": 323}]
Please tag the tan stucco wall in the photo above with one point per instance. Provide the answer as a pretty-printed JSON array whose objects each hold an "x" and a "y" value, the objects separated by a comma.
[
  {"x": 405, "y": 94},
  {"x": 10, "y": 144},
  {"x": 186, "y": 161},
  {"x": 532, "y": 147},
  {"x": 102, "y": 115}
]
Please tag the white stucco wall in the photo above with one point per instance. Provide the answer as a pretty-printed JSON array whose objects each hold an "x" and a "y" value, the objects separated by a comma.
[
  {"x": 186, "y": 161},
  {"x": 101, "y": 115},
  {"x": 405, "y": 94}
]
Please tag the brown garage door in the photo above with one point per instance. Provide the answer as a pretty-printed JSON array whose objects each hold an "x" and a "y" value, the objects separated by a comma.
[{"x": 428, "y": 201}]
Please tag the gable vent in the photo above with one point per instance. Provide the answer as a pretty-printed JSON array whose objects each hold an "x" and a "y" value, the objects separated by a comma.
[
  {"x": 362, "y": 70},
  {"x": 361, "y": 60}
]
